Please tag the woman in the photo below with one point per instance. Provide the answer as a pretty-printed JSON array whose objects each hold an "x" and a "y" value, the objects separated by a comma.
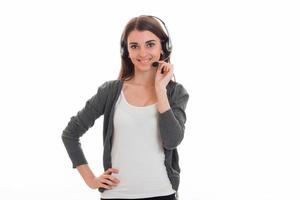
[{"x": 144, "y": 120}]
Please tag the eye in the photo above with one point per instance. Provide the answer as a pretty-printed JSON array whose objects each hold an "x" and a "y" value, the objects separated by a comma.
[
  {"x": 151, "y": 44},
  {"x": 133, "y": 46}
]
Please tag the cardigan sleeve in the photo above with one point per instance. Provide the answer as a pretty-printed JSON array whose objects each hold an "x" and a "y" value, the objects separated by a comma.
[
  {"x": 81, "y": 122},
  {"x": 172, "y": 121}
]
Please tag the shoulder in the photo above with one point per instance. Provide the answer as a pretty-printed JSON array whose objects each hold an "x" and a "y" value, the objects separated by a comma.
[
  {"x": 176, "y": 89},
  {"x": 110, "y": 84},
  {"x": 108, "y": 87}
]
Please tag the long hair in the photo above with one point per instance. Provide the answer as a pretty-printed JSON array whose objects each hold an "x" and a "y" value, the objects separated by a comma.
[{"x": 141, "y": 23}]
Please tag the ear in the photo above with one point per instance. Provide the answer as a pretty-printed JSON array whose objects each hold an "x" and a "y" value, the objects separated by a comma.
[{"x": 161, "y": 57}]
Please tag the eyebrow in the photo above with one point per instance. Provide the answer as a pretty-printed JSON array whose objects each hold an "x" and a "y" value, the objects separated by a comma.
[{"x": 145, "y": 42}]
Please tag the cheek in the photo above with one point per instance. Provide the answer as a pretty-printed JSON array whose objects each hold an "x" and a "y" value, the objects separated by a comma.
[
  {"x": 156, "y": 51},
  {"x": 133, "y": 57},
  {"x": 159, "y": 51},
  {"x": 131, "y": 54}
]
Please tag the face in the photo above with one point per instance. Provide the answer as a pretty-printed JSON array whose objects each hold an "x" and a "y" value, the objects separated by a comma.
[{"x": 144, "y": 48}]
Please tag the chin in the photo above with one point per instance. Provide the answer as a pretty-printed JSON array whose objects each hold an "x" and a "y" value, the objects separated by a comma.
[{"x": 144, "y": 68}]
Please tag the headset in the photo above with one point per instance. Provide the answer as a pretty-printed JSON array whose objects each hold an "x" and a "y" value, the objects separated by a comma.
[{"x": 166, "y": 45}]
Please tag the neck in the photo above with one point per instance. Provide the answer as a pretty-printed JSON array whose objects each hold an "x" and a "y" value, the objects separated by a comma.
[{"x": 146, "y": 79}]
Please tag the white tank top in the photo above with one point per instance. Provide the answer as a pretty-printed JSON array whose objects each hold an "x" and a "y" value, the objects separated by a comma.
[{"x": 138, "y": 153}]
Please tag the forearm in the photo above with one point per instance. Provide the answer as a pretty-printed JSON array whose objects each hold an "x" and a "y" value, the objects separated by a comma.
[
  {"x": 162, "y": 100},
  {"x": 172, "y": 120},
  {"x": 86, "y": 173}
]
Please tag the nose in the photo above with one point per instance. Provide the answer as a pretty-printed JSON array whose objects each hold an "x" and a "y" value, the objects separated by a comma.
[{"x": 143, "y": 52}]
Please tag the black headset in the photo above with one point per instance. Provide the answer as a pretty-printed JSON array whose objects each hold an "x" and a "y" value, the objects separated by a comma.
[{"x": 167, "y": 45}]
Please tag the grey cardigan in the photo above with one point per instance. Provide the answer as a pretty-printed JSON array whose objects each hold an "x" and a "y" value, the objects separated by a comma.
[{"x": 171, "y": 126}]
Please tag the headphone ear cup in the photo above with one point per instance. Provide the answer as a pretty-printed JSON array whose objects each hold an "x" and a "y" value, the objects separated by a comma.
[
  {"x": 123, "y": 50},
  {"x": 168, "y": 48}
]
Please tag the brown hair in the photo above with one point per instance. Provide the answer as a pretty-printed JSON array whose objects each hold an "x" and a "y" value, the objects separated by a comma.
[{"x": 141, "y": 23}]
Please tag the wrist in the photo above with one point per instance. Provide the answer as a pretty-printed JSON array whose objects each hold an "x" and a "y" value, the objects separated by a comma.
[
  {"x": 160, "y": 89},
  {"x": 91, "y": 182}
]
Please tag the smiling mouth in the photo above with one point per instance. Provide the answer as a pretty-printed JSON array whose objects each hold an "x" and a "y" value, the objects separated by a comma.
[{"x": 144, "y": 61}]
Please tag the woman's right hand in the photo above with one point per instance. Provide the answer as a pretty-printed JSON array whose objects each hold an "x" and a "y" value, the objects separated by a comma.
[{"x": 106, "y": 180}]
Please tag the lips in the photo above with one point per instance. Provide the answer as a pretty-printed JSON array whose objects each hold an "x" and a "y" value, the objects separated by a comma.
[{"x": 144, "y": 61}]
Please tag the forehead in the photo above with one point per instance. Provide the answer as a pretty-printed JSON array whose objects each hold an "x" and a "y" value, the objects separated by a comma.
[{"x": 141, "y": 36}]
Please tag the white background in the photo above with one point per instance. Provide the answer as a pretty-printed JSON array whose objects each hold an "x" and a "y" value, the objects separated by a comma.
[{"x": 239, "y": 61}]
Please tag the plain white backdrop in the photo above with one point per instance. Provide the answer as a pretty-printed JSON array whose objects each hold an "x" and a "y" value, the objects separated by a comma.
[{"x": 239, "y": 61}]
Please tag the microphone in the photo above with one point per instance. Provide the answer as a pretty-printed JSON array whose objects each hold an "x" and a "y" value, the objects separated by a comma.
[{"x": 156, "y": 64}]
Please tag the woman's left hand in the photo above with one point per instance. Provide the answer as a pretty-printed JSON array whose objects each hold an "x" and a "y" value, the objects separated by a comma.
[{"x": 162, "y": 80}]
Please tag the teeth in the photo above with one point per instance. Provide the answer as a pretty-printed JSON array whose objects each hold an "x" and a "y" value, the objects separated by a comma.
[{"x": 145, "y": 61}]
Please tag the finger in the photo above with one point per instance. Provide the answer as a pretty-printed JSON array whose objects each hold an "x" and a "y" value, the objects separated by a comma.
[
  {"x": 111, "y": 170},
  {"x": 162, "y": 63},
  {"x": 159, "y": 69},
  {"x": 108, "y": 182},
  {"x": 165, "y": 69},
  {"x": 114, "y": 170},
  {"x": 111, "y": 178},
  {"x": 115, "y": 180},
  {"x": 170, "y": 68},
  {"x": 162, "y": 71},
  {"x": 162, "y": 68},
  {"x": 103, "y": 185}
]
